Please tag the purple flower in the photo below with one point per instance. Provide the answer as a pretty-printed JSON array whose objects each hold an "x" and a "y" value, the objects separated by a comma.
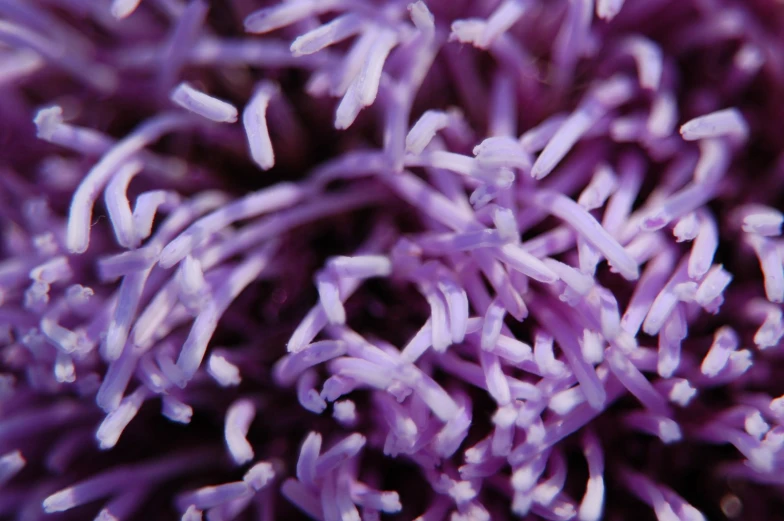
[{"x": 351, "y": 260}]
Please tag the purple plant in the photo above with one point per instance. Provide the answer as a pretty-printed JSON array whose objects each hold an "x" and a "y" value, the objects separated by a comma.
[{"x": 345, "y": 259}]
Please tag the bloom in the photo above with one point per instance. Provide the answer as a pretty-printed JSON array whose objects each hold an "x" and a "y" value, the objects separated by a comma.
[{"x": 464, "y": 259}]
